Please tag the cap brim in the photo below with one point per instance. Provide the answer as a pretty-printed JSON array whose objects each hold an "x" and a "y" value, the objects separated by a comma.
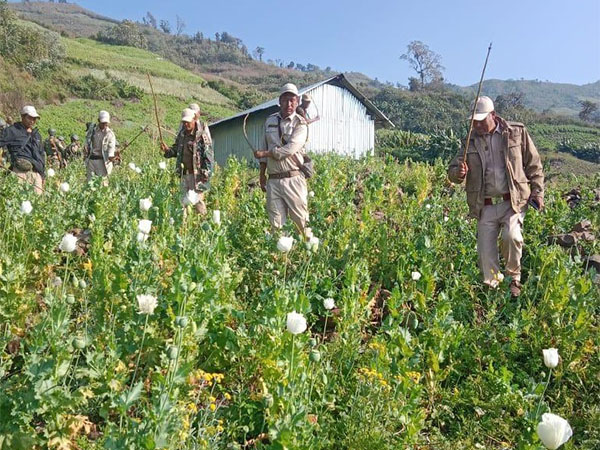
[
  {"x": 480, "y": 116},
  {"x": 291, "y": 92},
  {"x": 187, "y": 119}
]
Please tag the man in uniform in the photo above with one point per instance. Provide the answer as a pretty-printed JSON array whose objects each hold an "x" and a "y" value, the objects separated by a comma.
[
  {"x": 53, "y": 149},
  {"x": 100, "y": 144},
  {"x": 73, "y": 150},
  {"x": 280, "y": 175},
  {"x": 503, "y": 174},
  {"x": 195, "y": 157},
  {"x": 25, "y": 149}
]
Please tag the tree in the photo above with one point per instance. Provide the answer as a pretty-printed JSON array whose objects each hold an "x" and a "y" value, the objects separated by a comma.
[
  {"x": 425, "y": 62},
  {"x": 180, "y": 26},
  {"x": 588, "y": 108},
  {"x": 165, "y": 26},
  {"x": 259, "y": 52},
  {"x": 150, "y": 20}
]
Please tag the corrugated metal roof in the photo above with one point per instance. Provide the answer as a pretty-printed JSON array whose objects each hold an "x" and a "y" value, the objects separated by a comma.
[{"x": 339, "y": 80}]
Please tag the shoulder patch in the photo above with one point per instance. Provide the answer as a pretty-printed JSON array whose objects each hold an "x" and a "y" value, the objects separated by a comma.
[{"x": 516, "y": 124}]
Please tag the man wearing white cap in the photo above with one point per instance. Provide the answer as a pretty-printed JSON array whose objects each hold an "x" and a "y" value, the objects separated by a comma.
[
  {"x": 503, "y": 174},
  {"x": 100, "y": 146},
  {"x": 195, "y": 158},
  {"x": 25, "y": 149},
  {"x": 285, "y": 135}
]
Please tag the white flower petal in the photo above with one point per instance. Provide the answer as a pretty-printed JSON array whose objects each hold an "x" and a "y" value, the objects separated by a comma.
[{"x": 296, "y": 323}]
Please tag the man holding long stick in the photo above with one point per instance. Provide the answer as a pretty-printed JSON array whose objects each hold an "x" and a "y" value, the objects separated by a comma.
[
  {"x": 503, "y": 174},
  {"x": 195, "y": 159}
]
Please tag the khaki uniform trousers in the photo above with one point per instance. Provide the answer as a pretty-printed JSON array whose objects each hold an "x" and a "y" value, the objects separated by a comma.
[
  {"x": 32, "y": 178},
  {"x": 188, "y": 183},
  {"x": 494, "y": 218},
  {"x": 96, "y": 167},
  {"x": 287, "y": 196}
]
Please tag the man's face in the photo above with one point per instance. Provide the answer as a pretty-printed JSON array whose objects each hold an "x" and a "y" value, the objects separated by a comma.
[
  {"x": 189, "y": 126},
  {"x": 288, "y": 103},
  {"x": 28, "y": 121},
  {"x": 102, "y": 125},
  {"x": 486, "y": 125}
]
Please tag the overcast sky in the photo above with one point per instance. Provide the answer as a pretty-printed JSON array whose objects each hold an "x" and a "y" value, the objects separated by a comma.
[{"x": 555, "y": 40}]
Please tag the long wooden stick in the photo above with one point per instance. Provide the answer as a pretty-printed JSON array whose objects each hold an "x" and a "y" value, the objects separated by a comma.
[
  {"x": 475, "y": 103},
  {"x": 155, "y": 108},
  {"x": 246, "y": 133}
]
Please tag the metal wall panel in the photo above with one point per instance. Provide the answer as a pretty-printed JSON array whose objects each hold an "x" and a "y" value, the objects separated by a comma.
[{"x": 344, "y": 127}]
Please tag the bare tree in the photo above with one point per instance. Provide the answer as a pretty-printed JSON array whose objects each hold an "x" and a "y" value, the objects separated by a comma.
[
  {"x": 259, "y": 52},
  {"x": 425, "y": 62},
  {"x": 588, "y": 108},
  {"x": 180, "y": 26}
]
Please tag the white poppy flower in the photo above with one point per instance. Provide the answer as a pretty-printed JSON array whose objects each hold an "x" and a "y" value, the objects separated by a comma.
[
  {"x": 313, "y": 243},
  {"x": 171, "y": 221},
  {"x": 146, "y": 303},
  {"x": 138, "y": 170},
  {"x": 144, "y": 226},
  {"x": 311, "y": 194},
  {"x": 145, "y": 204},
  {"x": 308, "y": 232},
  {"x": 446, "y": 218},
  {"x": 191, "y": 198},
  {"x": 216, "y": 217},
  {"x": 51, "y": 172},
  {"x": 416, "y": 276},
  {"x": 329, "y": 303},
  {"x": 553, "y": 431},
  {"x": 296, "y": 323},
  {"x": 142, "y": 237},
  {"x": 162, "y": 165},
  {"x": 64, "y": 187},
  {"x": 68, "y": 243},
  {"x": 131, "y": 165},
  {"x": 427, "y": 206},
  {"x": 550, "y": 357},
  {"x": 26, "y": 207},
  {"x": 285, "y": 243}
]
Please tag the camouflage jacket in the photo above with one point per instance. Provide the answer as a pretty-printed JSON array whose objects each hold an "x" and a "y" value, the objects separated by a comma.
[{"x": 202, "y": 153}]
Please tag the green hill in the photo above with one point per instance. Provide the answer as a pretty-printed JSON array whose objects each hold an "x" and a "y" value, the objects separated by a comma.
[{"x": 557, "y": 98}]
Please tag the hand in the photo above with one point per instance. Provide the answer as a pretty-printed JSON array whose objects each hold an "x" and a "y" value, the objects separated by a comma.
[
  {"x": 164, "y": 147},
  {"x": 537, "y": 199},
  {"x": 462, "y": 170},
  {"x": 258, "y": 154},
  {"x": 263, "y": 182}
]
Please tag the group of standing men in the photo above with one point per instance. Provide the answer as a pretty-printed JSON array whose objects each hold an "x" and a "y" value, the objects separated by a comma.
[{"x": 502, "y": 169}]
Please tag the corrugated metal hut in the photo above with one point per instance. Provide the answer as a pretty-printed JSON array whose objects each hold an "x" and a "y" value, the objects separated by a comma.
[{"x": 346, "y": 125}]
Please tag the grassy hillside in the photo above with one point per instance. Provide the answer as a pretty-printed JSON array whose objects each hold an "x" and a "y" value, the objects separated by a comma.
[{"x": 86, "y": 56}]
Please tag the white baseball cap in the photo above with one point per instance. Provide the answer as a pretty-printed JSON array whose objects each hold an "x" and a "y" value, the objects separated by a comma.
[
  {"x": 103, "y": 117},
  {"x": 484, "y": 106},
  {"x": 195, "y": 107},
  {"x": 188, "y": 115},
  {"x": 29, "y": 111},
  {"x": 288, "y": 87}
]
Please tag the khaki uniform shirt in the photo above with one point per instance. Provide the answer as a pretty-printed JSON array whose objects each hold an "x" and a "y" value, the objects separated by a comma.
[
  {"x": 495, "y": 180},
  {"x": 284, "y": 138}
]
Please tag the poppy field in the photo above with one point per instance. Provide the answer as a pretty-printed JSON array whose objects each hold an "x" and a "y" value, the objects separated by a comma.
[{"x": 129, "y": 322}]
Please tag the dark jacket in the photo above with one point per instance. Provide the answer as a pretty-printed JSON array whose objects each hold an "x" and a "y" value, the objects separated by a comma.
[{"x": 21, "y": 144}]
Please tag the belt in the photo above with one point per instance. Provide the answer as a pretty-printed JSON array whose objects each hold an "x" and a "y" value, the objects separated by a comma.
[
  {"x": 495, "y": 200},
  {"x": 96, "y": 157},
  {"x": 288, "y": 174}
]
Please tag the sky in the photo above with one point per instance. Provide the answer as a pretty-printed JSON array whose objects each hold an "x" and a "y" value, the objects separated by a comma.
[{"x": 554, "y": 40}]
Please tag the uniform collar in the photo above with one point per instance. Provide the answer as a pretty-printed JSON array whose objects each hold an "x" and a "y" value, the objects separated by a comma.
[{"x": 290, "y": 117}]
